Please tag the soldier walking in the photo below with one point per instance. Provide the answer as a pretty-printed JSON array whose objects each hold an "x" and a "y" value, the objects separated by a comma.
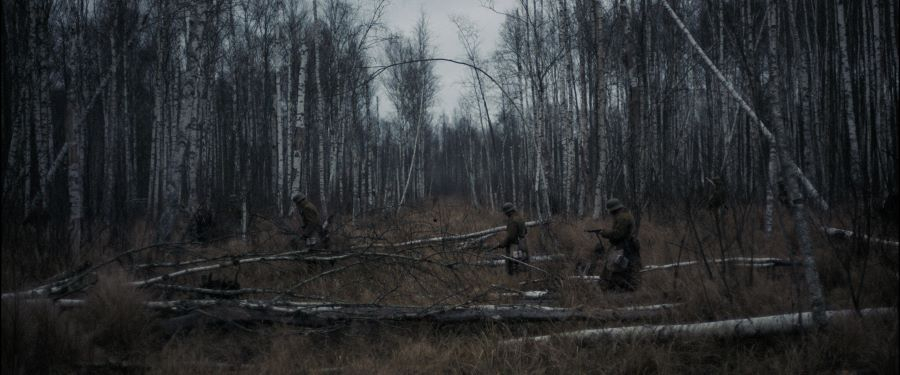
[
  {"x": 718, "y": 194},
  {"x": 311, "y": 229},
  {"x": 514, "y": 242},
  {"x": 621, "y": 271}
]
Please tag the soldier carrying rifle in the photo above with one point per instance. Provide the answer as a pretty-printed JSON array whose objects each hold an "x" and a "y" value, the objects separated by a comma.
[
  {"x": 622, "y": 263},
  {"x": 514, "y": 242},
  {"x": 312, "y": 231}
]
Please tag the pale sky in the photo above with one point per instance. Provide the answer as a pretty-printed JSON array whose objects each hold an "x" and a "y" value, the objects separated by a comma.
[{"x": 401, "y": 15}]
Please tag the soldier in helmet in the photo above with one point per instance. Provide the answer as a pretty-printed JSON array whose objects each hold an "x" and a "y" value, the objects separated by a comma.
[
  {"x": 311, "y": 230},
  {"x": 201, "y": 223},
  {"x": 621, "y": 271},
  {"x": 718, "y": 194},
  {"x": 514, "y": 242}
]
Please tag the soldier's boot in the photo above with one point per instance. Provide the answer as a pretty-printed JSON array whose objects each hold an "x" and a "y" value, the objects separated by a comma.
[{"x": 325, "y": 240}]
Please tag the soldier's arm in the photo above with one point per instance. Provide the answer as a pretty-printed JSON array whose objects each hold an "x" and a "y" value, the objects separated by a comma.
[
  {"x": 617, "y": 232},
  {"x": 512, "y": 232},
  {"x": 310, "y": 216},
  {"x": 304, "y": 215}
]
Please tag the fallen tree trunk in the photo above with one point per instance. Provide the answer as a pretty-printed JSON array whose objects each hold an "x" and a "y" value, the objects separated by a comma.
[
  {"x": 66, "y": 285},
  {"x": 309, "y": 316},
  {"x": 528, "y": 294},
  {"x": 534, "y": 259},
  {"x": 191, "y": 313},
  {"x": 734, "y": 328},
  {"x": 302, "y": 256},
  {"x": 57, "y": 288},
  {"x": 85, "y": 271},
  {"x": 843, "y": 233},
  {"x": 738, "y": 262}
]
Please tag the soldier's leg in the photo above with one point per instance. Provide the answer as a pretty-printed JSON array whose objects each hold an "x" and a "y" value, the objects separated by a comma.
[
  {"x": 636, "y": 266},
  {"x": 309, "y": 235},
  {"x": 325, "y": 240},
  {"x": 511, "y": 266}
]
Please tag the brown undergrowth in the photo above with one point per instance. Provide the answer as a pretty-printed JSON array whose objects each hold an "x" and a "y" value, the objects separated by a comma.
[{"x": 114, "y": 333}]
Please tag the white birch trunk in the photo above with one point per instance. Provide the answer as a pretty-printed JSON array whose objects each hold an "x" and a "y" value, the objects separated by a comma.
[
  {"x": 569, "y": 105},
  {"x": 412, "y": 164},
  {"x": 74, "y": 136},
  {"x": 17, "y": 138},
  {"x": 40, "y": 94},
  {"x": 798, "y": 209},
  {"x": 156, "y": 136},
  {"x": 111, "y": 126},
  {"x": 846, "y": 93},
  {"x": 772, "y": 184},
  {"x": 370, "y": 143},
  {"x": 599, "y": 111},
  {"x": 319, "y": 124},
  {"x": 194, "y": 56},
  {"x": 279, "y": 145},
  {"x": 879, "y": 90},
  {"x": 733, "y": 328}
]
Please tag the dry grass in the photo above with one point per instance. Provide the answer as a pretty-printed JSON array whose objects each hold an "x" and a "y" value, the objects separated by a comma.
[
  {"x": 40, "y": 338},
  {"x": 114, "y": 317}
]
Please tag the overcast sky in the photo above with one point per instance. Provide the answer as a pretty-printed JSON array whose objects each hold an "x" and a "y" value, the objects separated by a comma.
[{"x": 401, "y": 15}]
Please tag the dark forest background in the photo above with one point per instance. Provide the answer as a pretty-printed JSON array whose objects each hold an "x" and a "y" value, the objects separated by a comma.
[{"x": 117, "y": 111}]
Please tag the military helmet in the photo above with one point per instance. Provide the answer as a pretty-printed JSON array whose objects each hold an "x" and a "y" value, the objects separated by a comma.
[
  {"x": 297, "y": 198},
  {"x": 508, "y": 208},
  {"x": 613, "y": 204}
]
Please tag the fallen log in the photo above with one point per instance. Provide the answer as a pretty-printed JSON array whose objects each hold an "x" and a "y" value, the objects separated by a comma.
[
  {"x": 303, "y": 256},
  {"x": 313, "y": 314},
  {"x": 57, "y": 288},
  {"x": 66, "y": 285},
  {"x": 528, "y": 294},
  {"x": 339, "y": 314},
  {"x": 733, "y": 328},
  {"x": 843, "y": 233},
  {"x": 738, "y": 262},
  {"x": 502, "y": 262}
]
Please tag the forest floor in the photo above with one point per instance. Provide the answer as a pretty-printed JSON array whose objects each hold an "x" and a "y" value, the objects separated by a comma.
[{"x": 112, "y": 332}]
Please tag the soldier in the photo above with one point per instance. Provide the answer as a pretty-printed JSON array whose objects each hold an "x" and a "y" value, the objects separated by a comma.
[
  {"x": 514, "y": 242},
  {"x": 781, "y": 190},
  {"x": 311, "y": 231},
  {"x": 718, "y": 194},
  {"x": 623, "y": 262},
  {"x": 201, "y": 223}
]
